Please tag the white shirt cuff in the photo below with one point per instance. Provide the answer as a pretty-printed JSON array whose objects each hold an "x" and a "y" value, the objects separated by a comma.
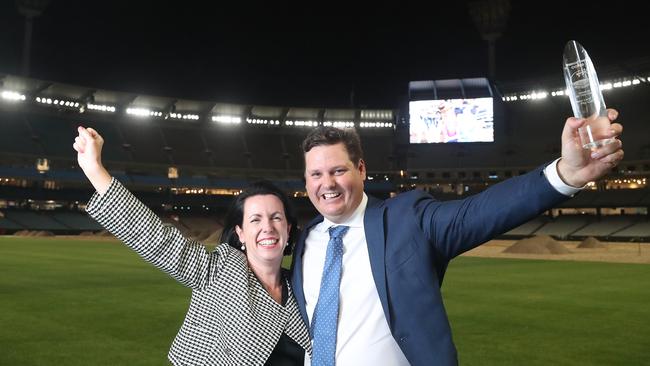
[{"x": 554, "y": 178}]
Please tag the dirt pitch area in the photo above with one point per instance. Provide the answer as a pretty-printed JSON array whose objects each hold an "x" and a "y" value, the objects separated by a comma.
[{"x": 611, "y": 252}]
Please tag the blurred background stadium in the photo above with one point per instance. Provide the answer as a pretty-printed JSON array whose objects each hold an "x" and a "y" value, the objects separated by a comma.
[{"x": 186, "y": 143}]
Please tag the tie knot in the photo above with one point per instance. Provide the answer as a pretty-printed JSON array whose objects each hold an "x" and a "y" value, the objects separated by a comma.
[{"x": 337, "y": 232}]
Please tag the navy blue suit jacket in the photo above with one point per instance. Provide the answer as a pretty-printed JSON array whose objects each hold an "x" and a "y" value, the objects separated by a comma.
[{"x": 411, "y": 239}]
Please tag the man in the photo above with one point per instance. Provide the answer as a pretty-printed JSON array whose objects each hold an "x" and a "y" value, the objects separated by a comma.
[{"x": 389, "y": 309}]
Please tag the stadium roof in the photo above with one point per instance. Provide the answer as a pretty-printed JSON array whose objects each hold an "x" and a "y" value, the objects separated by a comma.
[{"x": 283, "y": 54}]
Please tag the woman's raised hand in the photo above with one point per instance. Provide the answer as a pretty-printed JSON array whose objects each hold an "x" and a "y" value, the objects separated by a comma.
[{"x": 89, "y": 156}]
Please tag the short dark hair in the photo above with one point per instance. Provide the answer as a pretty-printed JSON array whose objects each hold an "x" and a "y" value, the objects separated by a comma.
[
  {"x": 235, "y": 214},
  {"x": 325, "y": 135}
]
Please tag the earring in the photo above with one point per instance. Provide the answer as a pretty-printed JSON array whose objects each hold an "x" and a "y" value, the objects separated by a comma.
[{"x": 243, "y": 247}]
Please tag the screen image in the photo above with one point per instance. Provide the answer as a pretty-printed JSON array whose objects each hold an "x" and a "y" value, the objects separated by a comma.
[{"x": 451, "y": 120}]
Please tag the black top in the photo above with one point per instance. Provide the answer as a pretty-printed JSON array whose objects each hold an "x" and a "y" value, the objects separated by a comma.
[{"x": 286, "y": 352}]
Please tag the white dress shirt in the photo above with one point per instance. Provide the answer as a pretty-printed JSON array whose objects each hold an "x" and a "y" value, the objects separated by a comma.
[
  {"x": 554, "y": 178},
  {"x": 363, "y": 334}
]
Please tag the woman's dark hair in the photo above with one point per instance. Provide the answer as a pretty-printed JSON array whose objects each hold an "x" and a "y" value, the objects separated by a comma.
[
  {"x": 326, "y": 135},
  {"x": 235, "y": 214}
]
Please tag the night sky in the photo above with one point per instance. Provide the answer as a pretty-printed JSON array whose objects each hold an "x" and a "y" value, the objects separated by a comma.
[{"x": 306, "y": 54}]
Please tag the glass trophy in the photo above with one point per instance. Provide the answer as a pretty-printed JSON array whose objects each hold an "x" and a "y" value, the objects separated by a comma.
[{"x": 585, "y": 95}]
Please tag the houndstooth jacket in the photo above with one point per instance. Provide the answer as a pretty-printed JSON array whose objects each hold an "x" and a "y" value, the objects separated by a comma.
[{"x": 231, "y": 320}]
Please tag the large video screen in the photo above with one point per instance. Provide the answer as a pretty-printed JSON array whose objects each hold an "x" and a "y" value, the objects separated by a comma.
[{"x": 451, "y": 120}]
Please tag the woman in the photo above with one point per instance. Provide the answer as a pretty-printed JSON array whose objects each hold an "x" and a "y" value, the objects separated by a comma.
[{"x": 242, "y": 310}]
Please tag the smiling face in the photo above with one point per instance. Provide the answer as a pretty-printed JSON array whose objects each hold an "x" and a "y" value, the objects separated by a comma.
[
  {"x": 264, "y": 230},
  {"x": 333, "y": 182}
]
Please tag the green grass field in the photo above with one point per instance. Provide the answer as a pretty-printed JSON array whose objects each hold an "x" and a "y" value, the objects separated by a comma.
[
  {"x": 534, "y": 312},
  {"x": 74, "y": 302}
]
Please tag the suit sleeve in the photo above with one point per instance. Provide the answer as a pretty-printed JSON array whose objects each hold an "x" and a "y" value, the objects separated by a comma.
[
  {"x": 126, "y": 217},
  {"x": 454, "y": 227}
]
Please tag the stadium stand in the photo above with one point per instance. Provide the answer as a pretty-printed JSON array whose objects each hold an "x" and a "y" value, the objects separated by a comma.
[
  {"x": 76, "y": 221},
  {"x": 114, "y": 149},
  {"x": 227, "y": 147},
  {"x": 293, "y": 149},
  {"x": 182, "y": 152},
  {"x": 146, "y": 142},
  {"x": 378, "y": 152},
  {"x": 266, "y": 151},
  {"x": 639, "y": 231},
  {"x": 563, "y": 226},
  {"x": 607, "y": 226},
  {"x": 36, "y": 221},
  {"x": 7, "y": 224},
  {"x": 528, "y": 228},
  {"x": 53, "y": 133},
  {"x": 264, "y": 142},
  {"x": 16, "y": 136}
]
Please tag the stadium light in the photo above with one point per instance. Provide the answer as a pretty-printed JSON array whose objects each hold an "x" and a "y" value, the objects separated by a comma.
[
  {"x": 12, "y": 96},
  {"x": 143, "y": 112},
  {"x": 186, "y": 116},
  {"x": 301, "y": 123},
  {"x": 101, "y": 107},
  {"x": 339, "y": 124},
  {"x": 376, "y": 124},
  {"x": 262, "y": 121},
  {"x": 60, "y": 103},
  {"x": 606, "y": 86},
  {"x": 379, "y": 114},
  {"x": 226, "y": 119},
  {"x": 376, "y": 119}
]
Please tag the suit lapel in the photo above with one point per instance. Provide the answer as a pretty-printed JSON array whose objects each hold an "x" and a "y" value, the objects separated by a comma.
[
  {"x": 296, "y": 277},
  {"x": 373, "y": 222}
]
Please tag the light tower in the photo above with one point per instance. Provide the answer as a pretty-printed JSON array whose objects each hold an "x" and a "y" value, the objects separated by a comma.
[
  {"x": 490, "y": 17},
  {"x": 30, "y": 9}
]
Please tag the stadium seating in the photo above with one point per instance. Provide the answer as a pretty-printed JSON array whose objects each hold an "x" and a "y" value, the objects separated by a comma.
[
  {"x": 266, "y": 151},
  {"x": 145, "y": 141},
  {"x": 563, "y": 226},
  {"x": 55, "y": 134},
  {"x": 528, "y": 228},
  {"x": 76, "y": 221},
  {"x": 187, "y": 145},
  {"x": 227, "y": 147},
  {"x": 16, "y": 137},
  {"x": 209, "y": 154},
  {"x": 8, "y": 224},
  {"x": 639, "y": 231},
  {"x": 36, "y": 220},
  {"x": 607, "y": 226}
]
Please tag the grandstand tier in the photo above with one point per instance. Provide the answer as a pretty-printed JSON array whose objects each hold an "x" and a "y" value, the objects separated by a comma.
[{"x": 187, "y": 166}]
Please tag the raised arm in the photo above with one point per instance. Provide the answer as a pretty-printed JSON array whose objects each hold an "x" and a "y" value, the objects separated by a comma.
[
  {"x": 123, "y": 215},
  {"x": 579, "y": 166},
  {"x": 89, "y": 156},
  {"x": 457, "y": 226}
]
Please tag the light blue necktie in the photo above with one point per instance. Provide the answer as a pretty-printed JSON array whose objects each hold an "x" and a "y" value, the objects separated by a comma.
[{"x": 326, "y": 314}]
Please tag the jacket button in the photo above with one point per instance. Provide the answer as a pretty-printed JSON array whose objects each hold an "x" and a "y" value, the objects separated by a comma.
[{"x": 227, "y": 351}]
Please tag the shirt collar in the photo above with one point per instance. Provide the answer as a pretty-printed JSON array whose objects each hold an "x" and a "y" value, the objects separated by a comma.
[{"x": 356, "y": 220}]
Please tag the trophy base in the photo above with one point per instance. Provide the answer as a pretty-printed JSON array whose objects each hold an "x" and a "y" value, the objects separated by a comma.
[{"x": 596, "y": 144}]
